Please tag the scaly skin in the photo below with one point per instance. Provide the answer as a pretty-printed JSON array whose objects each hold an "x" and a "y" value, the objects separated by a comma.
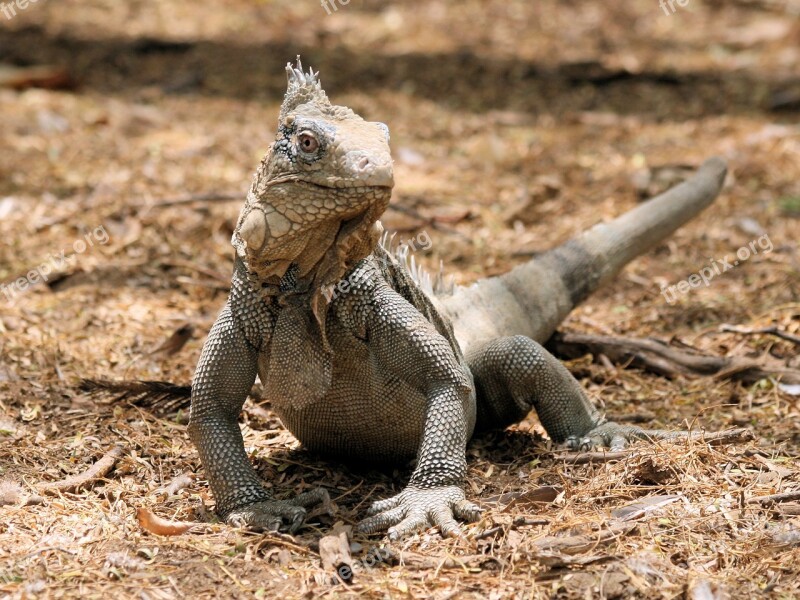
[{"x": 372, "y": 371}]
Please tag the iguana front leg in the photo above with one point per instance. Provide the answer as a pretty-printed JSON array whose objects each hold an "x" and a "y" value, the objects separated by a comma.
[
  {"x": 406, "y": 343},
  {"x": 224, "y": 376},
  {"x": 435, "y": 494}
]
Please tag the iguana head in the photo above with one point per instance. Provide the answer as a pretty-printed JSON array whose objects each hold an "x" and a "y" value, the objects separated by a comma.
[{"x": 312, "y": 211}]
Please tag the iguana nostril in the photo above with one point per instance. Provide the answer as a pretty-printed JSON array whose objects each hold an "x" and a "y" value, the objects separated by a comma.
[{"x": 372, "y": 168}]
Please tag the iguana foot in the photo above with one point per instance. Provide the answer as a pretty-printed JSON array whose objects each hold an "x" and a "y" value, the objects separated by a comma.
[
  {"x": 275, "y": 515},
  {"x": 615, "y": 436},
  {"x": 415, "y": 508}
]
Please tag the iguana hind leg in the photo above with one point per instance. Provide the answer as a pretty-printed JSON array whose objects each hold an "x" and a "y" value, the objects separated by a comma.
[{"x": 516, "y": 374}]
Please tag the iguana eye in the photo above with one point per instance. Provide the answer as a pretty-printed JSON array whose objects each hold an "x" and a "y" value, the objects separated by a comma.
[{"x": 307, "y": 142}]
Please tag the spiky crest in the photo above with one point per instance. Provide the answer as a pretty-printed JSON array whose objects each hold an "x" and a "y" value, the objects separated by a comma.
[{"x": 303, "y": 88}]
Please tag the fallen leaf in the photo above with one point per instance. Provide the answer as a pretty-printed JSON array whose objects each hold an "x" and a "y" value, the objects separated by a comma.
[
  {"x": 640, "y": 508},
  {"x": 44, "y": 76},
  {"x": 155, "y": 524}
]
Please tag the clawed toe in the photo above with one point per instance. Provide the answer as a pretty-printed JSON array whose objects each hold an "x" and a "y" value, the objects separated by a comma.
[
  {"x": 415, "y": 509},
  {"x": 616, "y": 437},
  {"x": 269, "y": 516},
  {"x": 276, "y": 515}
]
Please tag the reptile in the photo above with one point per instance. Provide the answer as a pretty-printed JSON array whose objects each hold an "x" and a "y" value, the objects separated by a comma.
[{"x": 363, "y": 356}]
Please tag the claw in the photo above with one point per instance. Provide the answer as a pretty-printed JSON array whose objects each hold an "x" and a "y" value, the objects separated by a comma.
[
  {"x": 468, "y": 511},
  {"x": 408, "y": 525},
  {"x": 297, "y": 522},
  {"x": 443, "y": 519},
  {"x": 616, "y": 437},
  {"x": 415, "y": 508},
  {"x": 277, "y": 515}
]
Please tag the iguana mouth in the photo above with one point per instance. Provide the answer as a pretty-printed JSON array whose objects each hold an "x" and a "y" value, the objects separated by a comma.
[{"x": 340, "y": 184}]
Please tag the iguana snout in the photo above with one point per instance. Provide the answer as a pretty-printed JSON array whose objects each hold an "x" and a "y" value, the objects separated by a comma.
[{"x": 369, "y": 168}]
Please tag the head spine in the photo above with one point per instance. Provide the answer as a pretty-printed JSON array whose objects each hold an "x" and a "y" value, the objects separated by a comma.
[{"x": 303, "y": 88}]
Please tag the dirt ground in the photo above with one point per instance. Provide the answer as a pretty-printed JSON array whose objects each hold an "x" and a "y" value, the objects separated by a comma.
[{"x": 514, "y": 125}]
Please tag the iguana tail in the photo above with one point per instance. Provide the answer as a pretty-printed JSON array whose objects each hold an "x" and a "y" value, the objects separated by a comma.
[{"x": 533, "y": 298}]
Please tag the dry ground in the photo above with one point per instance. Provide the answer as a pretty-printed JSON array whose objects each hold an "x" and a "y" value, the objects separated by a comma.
[{"x": 514, "y": 125}]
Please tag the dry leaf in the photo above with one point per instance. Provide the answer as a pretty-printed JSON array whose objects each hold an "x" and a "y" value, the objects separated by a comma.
[{"x": 159, "y": 526}]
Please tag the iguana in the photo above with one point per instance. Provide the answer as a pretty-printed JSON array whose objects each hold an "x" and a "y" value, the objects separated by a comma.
[{"x": 361, "y": 359}]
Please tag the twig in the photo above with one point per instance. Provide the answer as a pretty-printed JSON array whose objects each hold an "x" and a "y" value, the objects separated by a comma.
[
  {"x": 581, "y": 544},
  {"x": 658, "y": 357},
  {"x": 582, "y": 458},
  {"x": 519, "y": 521},
  {"x": 97, "y": 471},
  {"x": 161, "y": 397},
  {"x": 729, "y": 436},
  {"x": 489, "y": 532},
  {"x": 775, "y": 498},
  {"x": 419, "y": 561},
  {"x": 772, "y": 330}
]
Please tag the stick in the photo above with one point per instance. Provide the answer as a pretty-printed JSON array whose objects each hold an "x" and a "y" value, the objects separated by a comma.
[
  {"x": 583, "y": 458},
  {"x": 775, "y": 498},
  {"x": 762, "y": 330},
  {"x": 97, "y": 471},
  {"x": 159, "y": 396},
  {"x": 579, "y": 544},
  {"x": 657, "y": 357}
]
